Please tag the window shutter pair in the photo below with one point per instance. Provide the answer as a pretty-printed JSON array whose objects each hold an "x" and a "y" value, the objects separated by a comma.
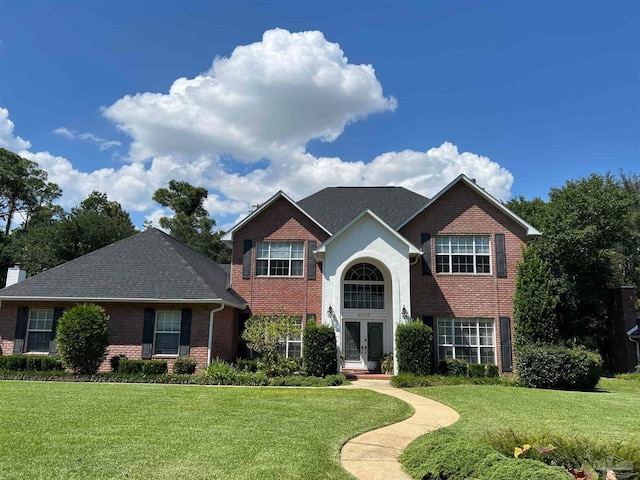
[
  {"x": 21, "y": 330},
  {"x": 148, "y": 330}
]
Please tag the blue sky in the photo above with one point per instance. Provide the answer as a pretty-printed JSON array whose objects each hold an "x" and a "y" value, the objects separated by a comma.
[{"x": 522, "y": 96}]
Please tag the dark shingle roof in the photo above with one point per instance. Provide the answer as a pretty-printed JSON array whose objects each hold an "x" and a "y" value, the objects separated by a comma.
[
  {"x": 334, "y": 207},
  {"x": 149, "y": 265}
]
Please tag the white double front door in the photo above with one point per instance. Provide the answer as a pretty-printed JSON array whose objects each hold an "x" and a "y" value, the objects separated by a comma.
[{"x": 363, "y": 343}]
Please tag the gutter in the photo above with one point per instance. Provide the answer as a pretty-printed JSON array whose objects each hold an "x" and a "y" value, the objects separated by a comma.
[
  {"x": 17, "y": 298},
  {"x": 210, "y": 344}
]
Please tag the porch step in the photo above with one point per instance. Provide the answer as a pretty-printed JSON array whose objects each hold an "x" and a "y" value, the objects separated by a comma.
[{"x": 364, "y": 375}]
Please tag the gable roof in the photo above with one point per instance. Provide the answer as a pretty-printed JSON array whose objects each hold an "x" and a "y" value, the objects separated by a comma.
[
  {"x": 334, "y": 207},
  {"x": 227, "y": 238},
  {"x": 412, "y": 248},
  {"x": 148, "y": 267},
  {"x": 531, "y": 230}
]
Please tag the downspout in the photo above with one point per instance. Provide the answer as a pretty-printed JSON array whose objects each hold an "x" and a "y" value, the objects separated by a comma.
[
  {"x": 637, "y": 342},
  {"x": 210, "y": 344}
]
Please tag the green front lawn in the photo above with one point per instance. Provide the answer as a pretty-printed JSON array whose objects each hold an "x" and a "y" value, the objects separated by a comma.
[
  {"x": 607, "y": 415},
  {"x": 68, "y": 430}
]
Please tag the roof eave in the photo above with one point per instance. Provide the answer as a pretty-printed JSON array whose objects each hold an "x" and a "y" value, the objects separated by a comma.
[
  {"x": 227, "y": 238},
  {"x": 199, "y": 301},
  {"x": 413, "y": 250},
  {"x": 531, "y": 231}
]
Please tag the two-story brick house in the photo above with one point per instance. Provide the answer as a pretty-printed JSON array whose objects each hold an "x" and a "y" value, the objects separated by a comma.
[
  {"x": 365, "y": 259},
  {"x": 362, "y": 259}
]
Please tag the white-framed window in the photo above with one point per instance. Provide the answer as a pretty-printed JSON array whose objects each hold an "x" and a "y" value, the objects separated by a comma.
[
  {"x": 280, "y": 259},
  {"x": 463, "y": 254},
  {"x": 470, "y": 339},
  {"x": 39, "y": 329},
  {"x": 166, "y": 339},
  {"x": 364, "y": 287},
  {"x": 293, "y": 345}
]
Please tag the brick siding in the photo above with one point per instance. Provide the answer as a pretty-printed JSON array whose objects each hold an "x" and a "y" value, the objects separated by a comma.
[{"x": 125, "y": 329}]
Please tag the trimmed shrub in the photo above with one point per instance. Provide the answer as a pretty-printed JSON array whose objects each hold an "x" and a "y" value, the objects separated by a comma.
[
  {"x": 154, "y": 367},
  {"x": 16, "y": 363},
  {"x": 115, "y": 361},
  {"x": 477, "y": 370},
  {"x": 524, "y": 469},
  {"x": 220, "y": 372},
  {"x": 247, "y": 365},
  {"x": 252, "y": 379},
  {"x": 414, "y": 347},
  {"x": 453, "y": 367},
  {"x": 559, "y": 368},
  {"x": 320, "y": 350},
  {"x": 83, "y": 338},
  {"x": 493, "y": 371},
  {"x": 407, "y": 380},
  {"x": 130, "y": 367},
  {"x": 184, "y": 366}
]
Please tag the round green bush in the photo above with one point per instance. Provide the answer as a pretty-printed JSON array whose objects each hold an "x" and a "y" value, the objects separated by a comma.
[
  {"x": 83, "y": 338},
  {"x": 414, "y": 348},
  {"x": 320, "y": 350},
  {"x": 559, "y": 368},
  {"x": 524, "y": 469},
  {"x": 453, "y": 367},
  {"x": 184, "y": 366}
]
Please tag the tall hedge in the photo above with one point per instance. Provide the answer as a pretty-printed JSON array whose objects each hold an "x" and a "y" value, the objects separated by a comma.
[
  {"x": 414, "y": 348},
  {"x": 320, "y": 356},
  {"x": 534, "y": 302},
  {"x": 83, "y": 338}
]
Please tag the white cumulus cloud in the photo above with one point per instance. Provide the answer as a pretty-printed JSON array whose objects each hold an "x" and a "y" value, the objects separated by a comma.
[
  {"x": 267, "y": 99},
  {"x": 7, "y": 139}
]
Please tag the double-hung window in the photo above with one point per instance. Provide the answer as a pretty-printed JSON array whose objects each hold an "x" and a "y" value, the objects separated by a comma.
[
  {"x": 167, "y": 333},
  {"x": 293, "y": 346},
  {"x": 39, "y": 330},
  {"x": 280, "y": 259},
  {"x": 468, "y": 339},
  {"x": 463, "y": 254}
]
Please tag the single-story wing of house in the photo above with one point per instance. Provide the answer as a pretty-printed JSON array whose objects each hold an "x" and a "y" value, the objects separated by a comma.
[{"x": 361, "y": 259}]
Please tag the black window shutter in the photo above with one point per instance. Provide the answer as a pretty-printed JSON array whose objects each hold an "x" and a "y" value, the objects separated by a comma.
[
  {"x": 425, "y": 239},
  {"x": 185, "y": 333},
  {"x": 501, "y": 256},
  {"x": 246, "y": 258},
  {"x": 21, "y": 330},
  {"x": 53, "y": 344},
  {"x": 311, "y": 260},
  {"x": 147, "y": 332},
  {"x": 505, "y": 344}
]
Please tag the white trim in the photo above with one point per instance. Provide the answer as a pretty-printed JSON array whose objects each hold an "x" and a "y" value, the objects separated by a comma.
[
  {"x": 155, "y": 333},
  {"x": 531, "y": 230},
  {"x": 289, "y": 259},
  {"x": 474, "y": 254},
  {"x": 227, "y": 238},
  {"x": 241, "y": 306},
  {"x": 412, "y": 249}
]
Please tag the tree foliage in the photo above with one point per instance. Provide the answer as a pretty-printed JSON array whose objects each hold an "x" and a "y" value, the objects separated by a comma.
[
  {"x": 191, "y": 223},
  {"x": 535, "y": 301},
  {"x": 591, "y": 239},
  {"x": 83, "y": 338},
  {"x": 267, "y": 335}
]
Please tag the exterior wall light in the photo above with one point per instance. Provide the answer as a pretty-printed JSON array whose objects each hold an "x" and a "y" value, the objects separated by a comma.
[
  {"x": 405, "y": 314},
  {"x": 330, "y": 311}
]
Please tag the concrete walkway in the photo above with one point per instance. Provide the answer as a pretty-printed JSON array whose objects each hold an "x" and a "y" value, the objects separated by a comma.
[{"x": 374, "y": 455}]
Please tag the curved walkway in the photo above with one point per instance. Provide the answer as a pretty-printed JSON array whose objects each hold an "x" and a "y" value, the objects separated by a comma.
[{"x": 374, "y": 455}]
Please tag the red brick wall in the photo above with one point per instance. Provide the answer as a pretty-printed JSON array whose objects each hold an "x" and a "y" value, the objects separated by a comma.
[
  {"x": 125, "y": 329},
  {"x": 295, "y": 295},
  {"x": 463, "y": 211}
]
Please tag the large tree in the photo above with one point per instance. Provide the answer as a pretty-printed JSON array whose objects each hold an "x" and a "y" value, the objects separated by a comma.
[
  {"x": 590, "y": 242},
  {"x": 23, "y": 188},
  {"x": 191, "y": 223}
]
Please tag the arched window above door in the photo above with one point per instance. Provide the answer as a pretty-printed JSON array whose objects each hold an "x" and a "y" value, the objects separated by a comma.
[{"x": 364, "y": 288}]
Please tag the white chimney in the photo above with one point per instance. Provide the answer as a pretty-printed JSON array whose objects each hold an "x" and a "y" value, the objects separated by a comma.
[{"x": 15, "y": 274}]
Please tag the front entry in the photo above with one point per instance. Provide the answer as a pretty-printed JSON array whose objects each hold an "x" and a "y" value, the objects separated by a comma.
[{"x": 363, "y": 340}]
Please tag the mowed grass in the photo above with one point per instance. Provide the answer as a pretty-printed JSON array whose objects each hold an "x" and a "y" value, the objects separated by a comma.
[
  {"x": 611, "y": 413},
  {"x": 96, "y": 431}
]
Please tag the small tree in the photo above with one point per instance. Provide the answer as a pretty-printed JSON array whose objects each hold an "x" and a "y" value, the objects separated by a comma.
[
  {"x": 83, "y": 338},
  {"x": 414, "y": 348},
  {"x": 320, "y": 350},
  {"x": 534, "y": 302},
  {"x": 267, "y": 334}
]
